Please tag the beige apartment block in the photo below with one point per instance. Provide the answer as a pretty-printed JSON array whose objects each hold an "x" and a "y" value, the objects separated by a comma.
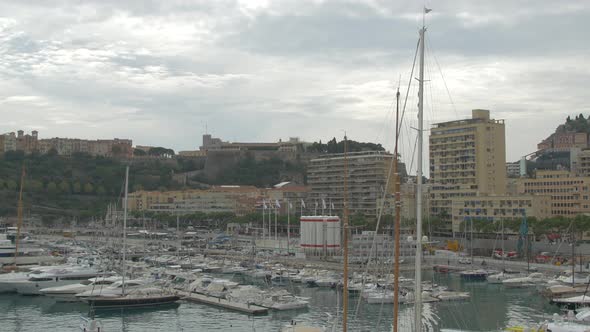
[
  {"x": 467, "y": 159},
  {"x": 7, "y": 142},
  {"x": 495, "y": 208},
  {"x": 367, "y": 181},
  {"x": 235, "y": 199},
  {"x": 570, "y": 194},
  {"x": 582, "y": 162}
]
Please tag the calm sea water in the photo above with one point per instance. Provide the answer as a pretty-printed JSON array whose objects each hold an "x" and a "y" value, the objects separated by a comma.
[{"x": 490, "y": 308}]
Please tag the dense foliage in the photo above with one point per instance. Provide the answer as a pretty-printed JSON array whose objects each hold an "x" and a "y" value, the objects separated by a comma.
[
  {"x": 334, "y": 146},
  {"x": 579, "y": 124},
  {"x": 259, "y": 173},
  {"x": 539, "y": 227},
  {"x": 80, "y": 185}
]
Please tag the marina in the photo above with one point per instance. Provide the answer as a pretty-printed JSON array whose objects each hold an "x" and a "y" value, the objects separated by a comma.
[
  {"x": 502, "y": 307},
  {"x": 426, "y": 227}
]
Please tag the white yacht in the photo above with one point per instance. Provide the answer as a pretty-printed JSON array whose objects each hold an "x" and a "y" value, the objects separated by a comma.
[
  {"x": 8, "y": 280},
  {"x": 577, "y": 279},
  {"x": 498, "y": 278},
  {"x": 68, "y": 293},
  {"x": 532, "y": 279},
  {"x": 113, "y": 290},
  {"x": 53, "y": 278}
]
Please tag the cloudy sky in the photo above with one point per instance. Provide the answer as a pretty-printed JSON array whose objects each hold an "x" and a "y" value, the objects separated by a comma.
[{"x": 160, "y": 72}]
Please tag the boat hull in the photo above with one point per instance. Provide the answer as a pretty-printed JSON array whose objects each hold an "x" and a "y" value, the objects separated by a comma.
[{"x": 106, "y": 303}]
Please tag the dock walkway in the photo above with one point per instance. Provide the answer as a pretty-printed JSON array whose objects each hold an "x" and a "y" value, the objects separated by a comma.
[{"x": 250, "y": 309}]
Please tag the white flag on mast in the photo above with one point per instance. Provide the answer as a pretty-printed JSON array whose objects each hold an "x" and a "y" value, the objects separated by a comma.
[
  {"x": 323, "y": 203},
  {"x": 277, "y": 203},
  {"x": 264, "y": 204},
  {"x": 303, "y": 203}
]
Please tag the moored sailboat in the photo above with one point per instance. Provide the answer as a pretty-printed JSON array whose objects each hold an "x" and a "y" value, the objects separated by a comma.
[{"x": 140, "y": 297}]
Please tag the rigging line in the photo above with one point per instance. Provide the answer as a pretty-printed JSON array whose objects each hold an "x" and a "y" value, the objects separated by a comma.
[
  {"x": 402, "y": 122},
  {"x": 383, "y": 298},
  {"x": 387, "y": 120},
  {"x": 401, "y": 119},
  {"x": 414, "y": 153},
  {"x": 443, "y": 77}
]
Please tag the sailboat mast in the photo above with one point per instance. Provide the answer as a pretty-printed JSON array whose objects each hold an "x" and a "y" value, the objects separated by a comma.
[
  {"x": 288, "y": 225},
  {"x": 19, "y": 212},
  {"x": 125, "y": 228},
  {"x": 503, "y": 253},
  {"x": 397, "y": 220},
  {"x": 573, "y": 254},
  {"x": 418, "y": 266},
  {"x": 345, "y": 242}
]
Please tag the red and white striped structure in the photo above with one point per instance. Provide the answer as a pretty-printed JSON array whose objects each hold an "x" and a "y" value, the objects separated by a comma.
[{"x": 320, "y": 235}]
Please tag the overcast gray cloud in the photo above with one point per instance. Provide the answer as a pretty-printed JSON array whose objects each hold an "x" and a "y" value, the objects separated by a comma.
[{"x": 159, "y": 71}]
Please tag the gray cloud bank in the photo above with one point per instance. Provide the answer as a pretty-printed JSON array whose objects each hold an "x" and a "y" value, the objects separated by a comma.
[{"x": 159, "y": 71}]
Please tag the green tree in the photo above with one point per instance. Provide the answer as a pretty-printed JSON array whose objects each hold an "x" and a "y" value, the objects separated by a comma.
[
  {"x": 51, "y": 187},
  {"x": 11, "y": 185},
  {"x": 64, "y": 187},
  {"x": 100, "y": 190},
  {"x": 77, "y": 187},
  {"x": 35, "y": 185},
  {"x": 88, "y": 188}
]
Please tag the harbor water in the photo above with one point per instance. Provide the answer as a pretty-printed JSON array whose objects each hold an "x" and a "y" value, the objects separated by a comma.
[{"x": 490, "y": 308}]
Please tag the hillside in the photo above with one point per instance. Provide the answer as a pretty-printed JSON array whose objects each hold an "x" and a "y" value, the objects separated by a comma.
[
  {"x": 79, "y": 185},
  {"x": 82, "y": 186}
]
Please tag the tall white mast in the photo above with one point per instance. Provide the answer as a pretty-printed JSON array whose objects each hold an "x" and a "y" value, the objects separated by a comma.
[
  {"x": 125, "y": 228},
  {"x": 418, "y": 290},
  {"x": 288, "y": 225}
]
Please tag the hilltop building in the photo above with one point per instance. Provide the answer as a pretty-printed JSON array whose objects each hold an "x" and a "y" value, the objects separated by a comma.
[
  {"x": 213, "y": 144},
  {"x": 563, "y": 140},
  {"x": 121, "y": 148}
]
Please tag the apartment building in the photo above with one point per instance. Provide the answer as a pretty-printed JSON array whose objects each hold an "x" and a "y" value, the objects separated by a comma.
[
  {"x": 564, "y": 141},
  {"x": 494, "y": 208},
  {"x": 27, "y": 143},
  {"x": 20, "y": 142},
  {"x": 569, "y": 194},
  {"x": 581, "y": 162},
  {"x": 467, "y": 158},
  {"x": 235, "y": 199},
  {"x": 7, "y": 142},
  {"x": 367, "y": 181},
  {"x": 104, "y": 148}
]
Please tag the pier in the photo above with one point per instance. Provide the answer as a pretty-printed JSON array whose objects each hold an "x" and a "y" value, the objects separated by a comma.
[{"x": 250, "y": 309}]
